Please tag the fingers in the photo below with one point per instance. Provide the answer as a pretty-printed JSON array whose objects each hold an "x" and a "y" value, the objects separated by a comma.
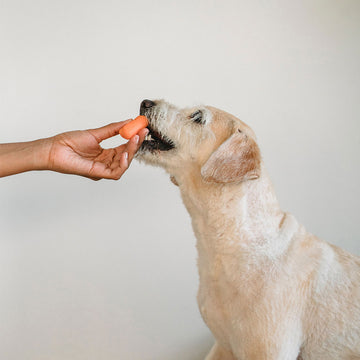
[
  {"x": 133, "y": 145},
  {"x": 114, "y": 162},
  {"x": 142, "y": 134},
  {"x": 135, "y": 142},
  {"x": 109, "y": 169},
  {"x": 117, "y": 171},
  {"x": 124, "y": 162},
  {"x": 108, "y": 131},
  {"x": 101, "y": 171}
]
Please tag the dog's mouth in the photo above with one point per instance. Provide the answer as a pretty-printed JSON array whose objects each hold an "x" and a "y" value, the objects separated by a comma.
[{"x": 156, "y": 141}]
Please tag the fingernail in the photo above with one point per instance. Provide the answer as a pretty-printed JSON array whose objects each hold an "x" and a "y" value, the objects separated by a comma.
[
  {"x": 146, "y": 131},
  {"x": 136, "y": 139},
  {"x": 126, "y": 155}
]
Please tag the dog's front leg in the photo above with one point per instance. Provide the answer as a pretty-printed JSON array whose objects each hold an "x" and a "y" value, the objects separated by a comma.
[
  {"x": 217, "y": 352},
  {"x": 278, "y": 350}
]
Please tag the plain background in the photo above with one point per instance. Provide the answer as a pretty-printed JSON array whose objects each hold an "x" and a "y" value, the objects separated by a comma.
[{"x": 107, "y": 270}]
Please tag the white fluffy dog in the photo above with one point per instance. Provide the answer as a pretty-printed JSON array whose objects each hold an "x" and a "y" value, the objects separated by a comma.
[{"x": 269, "y": 290}]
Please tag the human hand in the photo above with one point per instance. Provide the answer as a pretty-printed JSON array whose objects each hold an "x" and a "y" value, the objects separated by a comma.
[{"x": 80, "y": 153}]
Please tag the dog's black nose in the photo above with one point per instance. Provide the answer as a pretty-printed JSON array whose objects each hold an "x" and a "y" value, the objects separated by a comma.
[{"x": 147, "y": 104}]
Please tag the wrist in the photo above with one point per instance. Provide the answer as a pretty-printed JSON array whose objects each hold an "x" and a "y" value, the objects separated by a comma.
[
  {"x": 25, "y": 156},
  {"x": 40, "y": 154}
]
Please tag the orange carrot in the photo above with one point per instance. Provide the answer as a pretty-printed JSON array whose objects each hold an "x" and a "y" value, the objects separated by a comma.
[{"x": 134, "y": 126}]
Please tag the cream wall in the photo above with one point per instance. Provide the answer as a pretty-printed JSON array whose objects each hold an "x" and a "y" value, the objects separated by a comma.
[{"x": 107, "y": 270}]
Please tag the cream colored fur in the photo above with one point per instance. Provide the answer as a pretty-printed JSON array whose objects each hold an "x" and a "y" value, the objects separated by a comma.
[{"x": 269, "y": 290}]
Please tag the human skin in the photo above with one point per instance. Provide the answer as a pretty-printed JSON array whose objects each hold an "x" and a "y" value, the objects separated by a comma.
[{"x": 74, "y": 152}]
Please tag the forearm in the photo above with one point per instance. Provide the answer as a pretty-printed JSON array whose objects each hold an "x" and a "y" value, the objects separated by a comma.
[{"x": 25, "y": 156}]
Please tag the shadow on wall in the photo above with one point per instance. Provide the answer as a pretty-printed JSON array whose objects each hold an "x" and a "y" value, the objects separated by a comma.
[{"x": 197, "y": 350}]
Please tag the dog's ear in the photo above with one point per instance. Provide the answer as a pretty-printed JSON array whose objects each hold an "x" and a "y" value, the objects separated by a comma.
[
  {"x": 173, "y": 180},
  {"x": 237, "y": 159}
]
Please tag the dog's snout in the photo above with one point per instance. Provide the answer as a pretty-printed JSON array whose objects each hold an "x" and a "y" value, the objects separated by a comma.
[{"x": 147, "y": 104}]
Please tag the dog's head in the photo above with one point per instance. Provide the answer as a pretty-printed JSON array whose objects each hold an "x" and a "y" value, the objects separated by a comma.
[{"x": 215, "y": 145}]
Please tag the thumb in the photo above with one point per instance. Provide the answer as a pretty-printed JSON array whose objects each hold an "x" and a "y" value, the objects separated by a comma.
[{"x": 107, "y": 131}]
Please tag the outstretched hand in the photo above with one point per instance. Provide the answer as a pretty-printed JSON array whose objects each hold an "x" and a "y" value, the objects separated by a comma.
[{"x": 80, "y": 153}]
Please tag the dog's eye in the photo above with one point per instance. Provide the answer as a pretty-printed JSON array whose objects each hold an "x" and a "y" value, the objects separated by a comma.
[{"x": 197, "y": 117}]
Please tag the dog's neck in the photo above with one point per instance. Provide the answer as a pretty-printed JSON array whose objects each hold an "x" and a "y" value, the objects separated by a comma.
[{"x": 245, "y": 215}]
